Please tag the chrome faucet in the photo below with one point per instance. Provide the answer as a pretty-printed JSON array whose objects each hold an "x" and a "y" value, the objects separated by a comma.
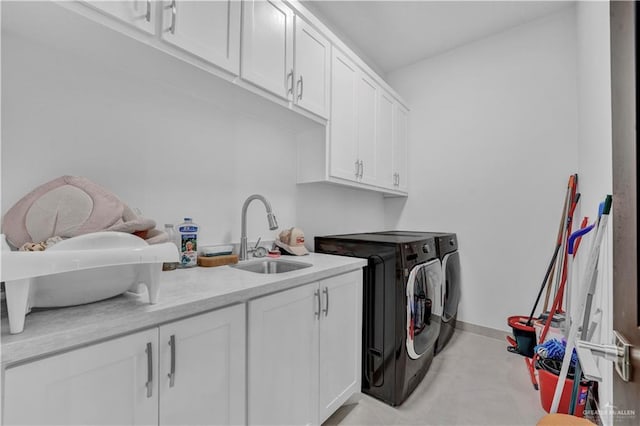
[{"x": 273, "y": 223}]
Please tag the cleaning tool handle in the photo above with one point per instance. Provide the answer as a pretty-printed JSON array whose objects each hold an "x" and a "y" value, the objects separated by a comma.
[
  {"x": 607, "y": 204},
  {"x": 579, "y": 233}
]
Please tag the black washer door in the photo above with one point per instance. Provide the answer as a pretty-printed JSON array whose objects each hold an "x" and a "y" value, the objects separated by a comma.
[
  {"x": 422, "y": 327},
  {"x": 451, "y": 285}
]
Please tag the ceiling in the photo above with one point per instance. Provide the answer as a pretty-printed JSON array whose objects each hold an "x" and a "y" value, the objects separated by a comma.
[{"x": 390, "y": 34}]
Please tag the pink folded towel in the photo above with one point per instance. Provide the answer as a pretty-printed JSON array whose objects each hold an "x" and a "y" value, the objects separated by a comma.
[{"x": 69, "y": 206}]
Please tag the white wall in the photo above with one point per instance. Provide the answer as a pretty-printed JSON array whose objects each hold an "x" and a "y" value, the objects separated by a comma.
[
  {"x": 594, "y": 154},
  {"x": 159, "y": 149},
  {"x": 493, "y": 140}
]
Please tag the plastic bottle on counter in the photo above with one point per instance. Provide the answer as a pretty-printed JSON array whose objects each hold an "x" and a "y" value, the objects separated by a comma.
[
  {"x": 173, "y": 238},
  {"x": 188, "y": 243}
]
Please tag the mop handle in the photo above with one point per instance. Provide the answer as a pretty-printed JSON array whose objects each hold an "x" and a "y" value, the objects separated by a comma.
[
  {"x": 585, "y": 222},
  {"x": 589, "y": 282},
  {"x": 579, "y": 233}
]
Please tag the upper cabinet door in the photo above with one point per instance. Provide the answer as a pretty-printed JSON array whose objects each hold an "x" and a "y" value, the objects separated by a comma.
[
  {"x": 312, "y": 56},
  {"x": 343, "y": 124},
  {"x": 139, "y": 13},
  {"x": 400, "y": 147},
  {"x": 385, "y": 135},
  {"x": 366, "y": 100},
  {"x": 267, "y": 46},
  {"x": 207, "y": 29}
]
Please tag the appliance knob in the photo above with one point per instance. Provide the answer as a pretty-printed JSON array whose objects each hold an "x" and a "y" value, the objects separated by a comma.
[
  {"x": 452, "y": 242},
  {"x": 426, "y": 248}
]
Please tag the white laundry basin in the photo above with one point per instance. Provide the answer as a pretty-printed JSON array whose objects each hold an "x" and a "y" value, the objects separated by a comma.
[{"x": 80, "y": 270}]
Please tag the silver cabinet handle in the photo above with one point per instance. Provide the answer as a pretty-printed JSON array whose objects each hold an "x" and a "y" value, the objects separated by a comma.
[
  {"x": 398, "y": 179},
  {"x": 357, "y": 163},
  {"x": 361, "y": 168},
  {"x": 149, "y": 383},
  {"x": 395, "y": 179},
  {"x": 317, "y": 295},
  {"x": 172, "y": 373},
  {"x": 174, "y": 12},
  {"x": 147, "y": 16},
  {"x": 326, "y": 306},
  {"x": 288, "y": 85},
  {"x": 300, "y": 87}
]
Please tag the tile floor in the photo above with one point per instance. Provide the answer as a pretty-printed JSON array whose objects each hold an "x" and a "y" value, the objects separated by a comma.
[{"x": 473, "y": 381}]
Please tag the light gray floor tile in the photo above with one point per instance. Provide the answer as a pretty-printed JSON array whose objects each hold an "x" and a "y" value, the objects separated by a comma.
[{"x": 473, "y": 381}]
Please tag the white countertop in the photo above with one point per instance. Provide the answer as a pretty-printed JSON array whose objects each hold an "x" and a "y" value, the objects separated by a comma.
[{"x": 183, "y": 293}]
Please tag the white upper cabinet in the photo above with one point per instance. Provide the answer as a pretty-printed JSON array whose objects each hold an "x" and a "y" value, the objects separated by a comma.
[
  {"x": 344, "y": 161},
  {"x": 353, "y": 122},
  {"x": 267, "y": 46},
  {"x": 366, "y": 115},
  {"x": 312, "y": 56},
  {"x": 400, "y": 148},
  {"x": 207, "y": 29},
  {"x": 139, "y": 13},
  {"x": 385, "y": 134}
]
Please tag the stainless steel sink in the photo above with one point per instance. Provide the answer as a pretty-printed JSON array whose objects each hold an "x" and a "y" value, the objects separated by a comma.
[{"x": 270, "y": 266}]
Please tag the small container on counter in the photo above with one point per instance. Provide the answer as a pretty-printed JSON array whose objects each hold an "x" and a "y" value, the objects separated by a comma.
[{"x": 188, "y": 243}]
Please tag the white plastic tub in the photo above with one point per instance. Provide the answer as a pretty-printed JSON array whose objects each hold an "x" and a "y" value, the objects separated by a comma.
[{"x": 80, "y": 270}]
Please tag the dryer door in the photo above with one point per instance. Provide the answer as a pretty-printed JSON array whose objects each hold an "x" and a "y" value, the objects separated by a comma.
[
  {"x": 450, "y": 285},
  {"x": 423, "y": 325}
]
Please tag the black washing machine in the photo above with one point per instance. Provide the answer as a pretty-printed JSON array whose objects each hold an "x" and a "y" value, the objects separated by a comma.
[
  {"x": 400, "y": 326},
  {"x": 447, "y": 248}
]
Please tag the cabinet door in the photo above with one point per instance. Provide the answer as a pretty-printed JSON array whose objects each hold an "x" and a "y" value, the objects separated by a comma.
[
  {"x": 267, "y": 46},
  {"x": 283, "y": 357},
  {"x": 340, "y": 341},
  {"x": 343, "y": 133},
  {"x": 366, "y": 101},
  {"x": 384, "y": 145},
  {"x": 400, "y": 147},
  {"x": 207, "y": 353},
  {"x": 312, "y": 56},
  {"x": 139, "y": 13},
  {"x": 207, "y": 29},
  {"x": 104, "y": 384}
]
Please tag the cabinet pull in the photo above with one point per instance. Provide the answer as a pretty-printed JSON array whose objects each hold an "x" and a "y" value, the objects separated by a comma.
[
  {"x": 147, "y": 16},
  {"x": 361, "y": 168},
  {"x": 326, "y": 306},
  {"x": 172, "y": 373},
  {"x": 357, "y": 163},
  {"x": 288, "y": 85},
  {"x": 317, "y": 295},
  {"x": 174, "y": 12},
  {"x": 149, "y": 383},
  {"x": 398, "y": 174},
  {"x": 300, "y": 87}
]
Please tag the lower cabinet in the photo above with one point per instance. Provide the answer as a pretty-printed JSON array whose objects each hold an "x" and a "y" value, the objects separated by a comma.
[
  {"x": 302, "y": 362},
  {"x": 203, "y": 369},
  {"x": 190, "y": 371},
  {"x": 304, "y": 351},
  {"x": 104, "y": 384}
]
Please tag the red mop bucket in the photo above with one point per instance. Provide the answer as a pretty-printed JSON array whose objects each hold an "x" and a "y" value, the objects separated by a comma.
[
  {"x": 525, "y": 336},
  {"x": 548, "y": 372}
]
